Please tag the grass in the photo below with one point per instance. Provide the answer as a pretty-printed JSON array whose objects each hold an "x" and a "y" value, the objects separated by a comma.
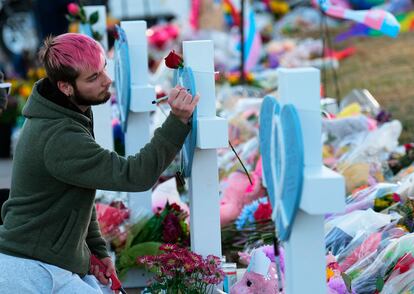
[{"x": 385, "y": 67}]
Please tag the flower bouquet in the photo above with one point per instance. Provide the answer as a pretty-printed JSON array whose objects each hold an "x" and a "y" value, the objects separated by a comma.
[
  {"x": 146, "y": 236},
  {"x": 178, "y": 270},
  {"x": 254, "y": 227}
]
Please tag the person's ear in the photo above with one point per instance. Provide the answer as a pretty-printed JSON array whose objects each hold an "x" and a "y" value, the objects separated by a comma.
[{"x": 65, "y": 87}]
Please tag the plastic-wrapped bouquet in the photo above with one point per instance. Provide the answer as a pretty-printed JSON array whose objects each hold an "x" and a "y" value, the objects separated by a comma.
[
  {"x": 178, "y": 270},
  {"x": 168, "y": 225}
]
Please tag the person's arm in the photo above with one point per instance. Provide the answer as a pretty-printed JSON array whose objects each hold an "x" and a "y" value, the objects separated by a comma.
[{"x": 73, "y": 156}]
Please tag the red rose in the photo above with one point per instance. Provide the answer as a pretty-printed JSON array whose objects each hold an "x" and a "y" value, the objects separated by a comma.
[
  {"x": 176, "y": 207},
  {"x": 174, "y": 60},
  {"x": 263, "y": 212},
  {"x": 73, "y": 9}
]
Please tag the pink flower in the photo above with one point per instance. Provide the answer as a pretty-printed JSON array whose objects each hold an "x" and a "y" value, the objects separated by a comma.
[
  {"x": 73, "y": 9},
  {"x": 147, "y": 260},
  {"x": 214, "y": 260},
  {"x": 168, "y": 247}
]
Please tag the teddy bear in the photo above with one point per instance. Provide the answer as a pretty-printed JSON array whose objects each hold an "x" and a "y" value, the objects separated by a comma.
[{"x": 237, "y": 192}]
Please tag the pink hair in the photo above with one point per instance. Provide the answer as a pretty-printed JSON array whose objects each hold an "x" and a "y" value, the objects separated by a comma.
[{"x": 65, "y": 56}]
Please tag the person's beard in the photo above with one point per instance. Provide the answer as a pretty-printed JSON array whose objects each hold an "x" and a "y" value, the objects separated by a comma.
[{"x": 83, "y": 100}]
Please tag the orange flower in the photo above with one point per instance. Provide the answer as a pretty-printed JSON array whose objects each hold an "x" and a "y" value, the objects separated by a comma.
[
  {"x": 329, "y": 274},
  {"x": 25, "y": 91}
]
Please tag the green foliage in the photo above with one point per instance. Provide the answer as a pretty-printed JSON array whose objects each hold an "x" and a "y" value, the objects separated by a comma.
[
  {"x": 127, "y": 259},
  {"x": 93, "y": 18},
  {"x": 348, "y": 281},
  {"x": 379, "y": 284}
]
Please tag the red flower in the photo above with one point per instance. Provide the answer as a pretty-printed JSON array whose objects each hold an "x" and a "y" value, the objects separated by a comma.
[
  {"x": 408, "y": 146},
  {"x": 174, "y": 60},
  {"x": 263, "y": 212},
  {"x": 171, "y": 229},
  {"x": 404, "y": 263},
  {"x": 73, "y": 9},
  {"x": 176, "y": 207},
  {"x": 116, "y": 35},
  {"x": 396, "y": 197}
]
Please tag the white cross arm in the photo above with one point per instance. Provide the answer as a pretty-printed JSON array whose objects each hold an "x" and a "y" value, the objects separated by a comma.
[
  {"x": 323, "y": 190},
  {"x": 142, "y": 94},
  {"x": 212, "y": 130}
]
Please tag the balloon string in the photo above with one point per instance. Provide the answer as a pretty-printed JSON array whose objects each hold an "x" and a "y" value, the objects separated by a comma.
[
  {"x": 245, "y": 170},
  {"x": 234, "y": 151}
]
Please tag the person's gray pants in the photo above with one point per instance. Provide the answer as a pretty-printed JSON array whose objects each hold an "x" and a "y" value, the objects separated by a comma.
[{"x": 27, "y": 276}]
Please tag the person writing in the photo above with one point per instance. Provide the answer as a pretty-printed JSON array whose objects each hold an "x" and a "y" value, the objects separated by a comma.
[{"x": 50, "y": 227}]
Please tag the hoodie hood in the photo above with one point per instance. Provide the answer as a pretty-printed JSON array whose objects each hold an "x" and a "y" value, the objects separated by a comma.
[{"x": 39, "y": 106}]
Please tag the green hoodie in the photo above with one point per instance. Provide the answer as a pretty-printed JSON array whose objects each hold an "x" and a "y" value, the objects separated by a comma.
[{"x": 50, "y": 215}]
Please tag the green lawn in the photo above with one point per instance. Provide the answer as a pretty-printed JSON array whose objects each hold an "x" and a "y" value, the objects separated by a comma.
[{"x": 384, "y": 66}]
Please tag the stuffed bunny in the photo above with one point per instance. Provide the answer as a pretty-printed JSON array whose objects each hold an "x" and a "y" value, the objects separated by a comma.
[{"x": 261, "y": 275}]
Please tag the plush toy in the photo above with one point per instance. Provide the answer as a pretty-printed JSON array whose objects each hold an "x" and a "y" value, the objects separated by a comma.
[
  {"x": 261, "y": 275},
  {"x": 238, "y": 192},
  {"x": 167, "y": 191}
]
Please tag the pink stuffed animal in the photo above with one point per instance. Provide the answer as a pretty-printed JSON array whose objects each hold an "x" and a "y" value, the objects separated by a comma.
[
  {"x": 238, "y": 192},
  {"x": 261, "y": 275}
]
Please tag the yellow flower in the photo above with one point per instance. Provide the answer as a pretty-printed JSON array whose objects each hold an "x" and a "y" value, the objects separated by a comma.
[
  {"x": 249, "y": 77},
  {"x": 41, "y": 73},
  {"x": 31, "y": 73},
  {"x": 279, "y": 7},
  {"x": 226, "y": 8},
  {"x": 73, "y": 27},
  {"x": 329, "y": 274},
  {"x": 25, "y": 91},
  {"x": 233, "y": 78}
]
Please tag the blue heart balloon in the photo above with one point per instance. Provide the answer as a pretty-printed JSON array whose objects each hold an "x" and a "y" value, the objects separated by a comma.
[
  {"x": 270, "y": 108},
  {"x": 291, "y": 165},
  {"x": 184, "y": 77},
  {"x": 122, "y": 76},
  {"x": 281, "y": 146}
]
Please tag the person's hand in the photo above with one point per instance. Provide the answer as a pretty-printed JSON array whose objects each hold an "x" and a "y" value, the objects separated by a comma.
[
  {"x": 103, "y": 277},
  {"x": 182, "y": 103}
]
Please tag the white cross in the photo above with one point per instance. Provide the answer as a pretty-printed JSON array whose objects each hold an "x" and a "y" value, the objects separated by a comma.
[
  {"x": 212, "y": 133},
  {"x": 102, "y": 113},
  {"x": 142, "y": 95},
  {"x": 323, "y": 190}
]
